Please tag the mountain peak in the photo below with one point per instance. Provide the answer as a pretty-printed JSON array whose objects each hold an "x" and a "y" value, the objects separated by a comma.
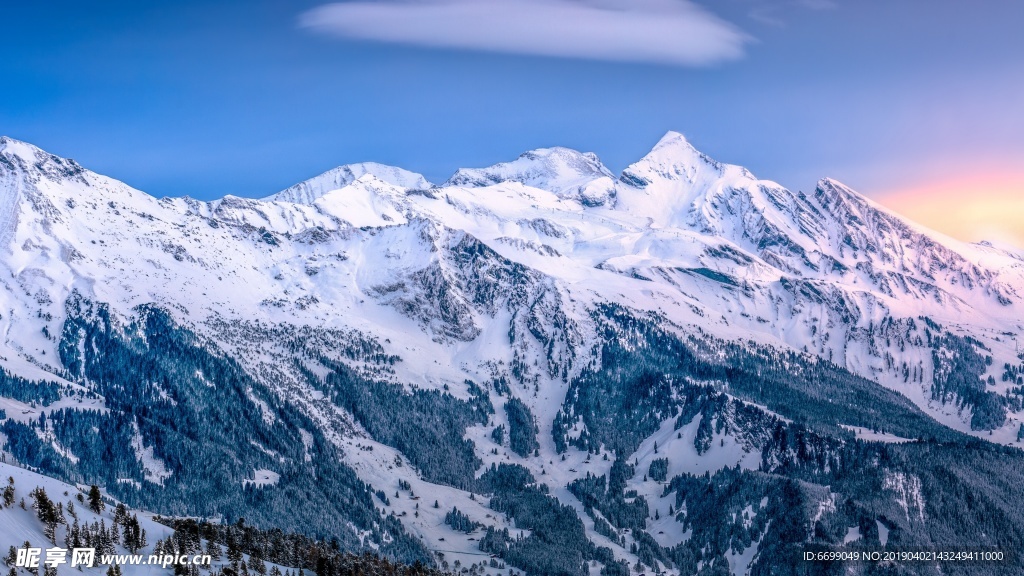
[
  {"x": 11, "y": 147},
  {"x": 672, "y": 138},
  {"x": 336, "y": 178},
  {"x": 676, "y": 145},
  {"x": 672, "y": 158},
  {"x": 16, "y": 155},
  {"x": 565, "y": 172},
  {"x": 839, "y": 198}
]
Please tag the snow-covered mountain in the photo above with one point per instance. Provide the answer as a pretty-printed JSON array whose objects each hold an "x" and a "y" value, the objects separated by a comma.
[
  {"x": 307, "y": 192},
  {"x": 544, "y": 290}
]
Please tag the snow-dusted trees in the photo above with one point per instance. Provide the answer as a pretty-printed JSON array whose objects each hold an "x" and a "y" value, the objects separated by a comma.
[
  {"x": 49, "y": 513},
  {"x": 522, "y": 429},
  {"x": 95, "y": 499}
]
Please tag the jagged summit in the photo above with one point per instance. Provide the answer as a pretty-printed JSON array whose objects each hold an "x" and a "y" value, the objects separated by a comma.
[
  {"x": 27, "y": 172},
  {"x": 10, "y": 145},
  {"x": 29, "y": 153},
  {"x": 309, "y": 191},
  {"x": 18, "y": 154},
  {"x": 673, "y": 142},
  {"x": 672, "y": 158},
  {"x": 565, "y": 172},
  {"x": 845, "y": 202}
]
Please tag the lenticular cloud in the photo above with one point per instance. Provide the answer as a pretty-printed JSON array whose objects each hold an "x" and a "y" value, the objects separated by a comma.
[{"x": 675, "y": 32}]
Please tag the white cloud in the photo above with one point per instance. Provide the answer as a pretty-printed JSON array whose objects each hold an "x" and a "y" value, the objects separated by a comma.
[{"x": 676, "y": 32}]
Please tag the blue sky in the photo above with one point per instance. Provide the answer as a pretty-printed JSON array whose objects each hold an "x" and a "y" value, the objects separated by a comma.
[{"x": 247, "y": 97}]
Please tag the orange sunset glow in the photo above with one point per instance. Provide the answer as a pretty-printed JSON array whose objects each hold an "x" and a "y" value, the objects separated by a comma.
[{"x": 970, "y": 209}]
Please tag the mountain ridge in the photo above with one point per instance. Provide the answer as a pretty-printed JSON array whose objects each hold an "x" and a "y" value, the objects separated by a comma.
[
  {"x": 684, "y": 304},
  {"x": 344, "y": 175}
]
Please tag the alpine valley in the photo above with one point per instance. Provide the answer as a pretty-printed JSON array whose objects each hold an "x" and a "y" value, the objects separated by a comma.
[{"x": 539, "y": 367}]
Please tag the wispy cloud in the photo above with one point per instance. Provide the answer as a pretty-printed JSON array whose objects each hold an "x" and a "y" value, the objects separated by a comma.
[
  {"x": 675, "y": 32},
  {"x": 771, "y": 13}
]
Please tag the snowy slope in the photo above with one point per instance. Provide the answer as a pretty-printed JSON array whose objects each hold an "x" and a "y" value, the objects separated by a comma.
[
  {"x": 565, "y": 172},
  {"x": 499, "y": 270},
  {"x": 18, "y": 525},
  {"x": 814, "y": 272},
  {"x": 336, "y": 178}
]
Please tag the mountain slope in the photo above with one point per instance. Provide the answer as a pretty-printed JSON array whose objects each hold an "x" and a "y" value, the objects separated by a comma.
[
  {"x": 336, "y": 178},
  {"x": 345, "y": 353}
]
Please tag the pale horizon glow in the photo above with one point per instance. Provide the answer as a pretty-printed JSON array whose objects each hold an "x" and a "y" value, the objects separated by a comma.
[{"x": 989, "y": 208}]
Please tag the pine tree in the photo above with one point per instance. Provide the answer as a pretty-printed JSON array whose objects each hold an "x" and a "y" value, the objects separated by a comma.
[
  {"x": 234, "y": 552},
  {"x": 9, "y": 493},
  {"x": 213, "y": 550},
  {"x": 256, "y": 563},
  {"x": 95, "y": 499},
  {"x": 47, "y": 513},
  {"x": 132, "y": 534},
  {"x": 120, "y": 513}
]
